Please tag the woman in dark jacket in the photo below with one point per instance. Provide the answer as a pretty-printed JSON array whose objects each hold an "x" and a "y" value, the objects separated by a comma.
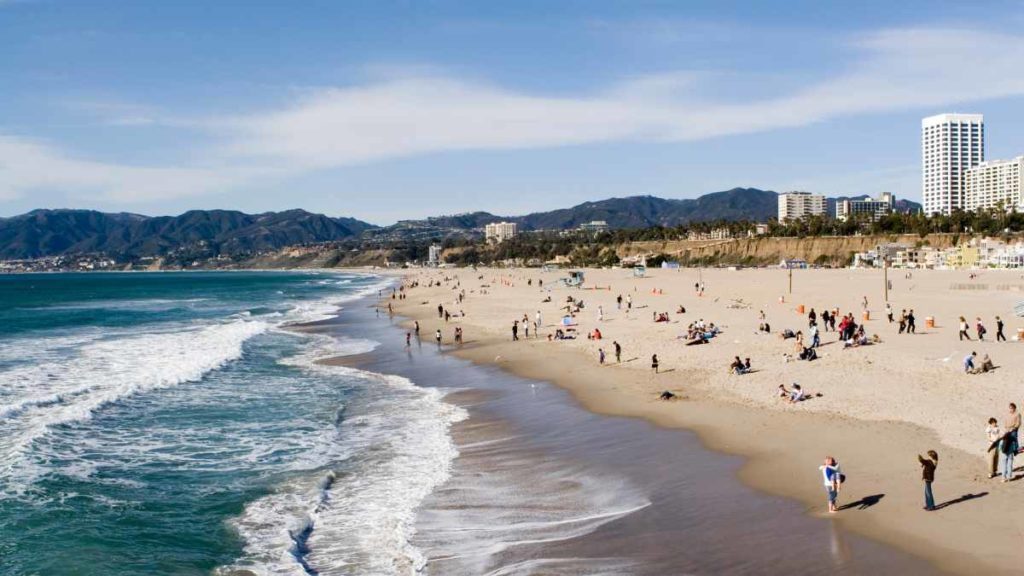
[{"x": 928, "y": 466}]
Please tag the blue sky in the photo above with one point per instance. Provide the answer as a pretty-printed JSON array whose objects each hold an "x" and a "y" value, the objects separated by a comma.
[{"x": 390, "y": 110}]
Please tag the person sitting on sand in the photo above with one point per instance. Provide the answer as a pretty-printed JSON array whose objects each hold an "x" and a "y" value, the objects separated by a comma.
[
  {"x": 746, "y": 365},
  {"x": 808, "y": 354},
  {"x": 666, "y": 395},
  {"x": 787, "y": 334},
  {"x": 681, "y": 309},
  {"x": 986, "y": 364},
  {"x": 737, "y": 366},
  {"x": 796, "y": 394},
  {"x": 783, "y": 393},
  {"x": 969, "y": 363}
]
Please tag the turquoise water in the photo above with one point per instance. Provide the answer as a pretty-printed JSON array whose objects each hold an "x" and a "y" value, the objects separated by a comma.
[{"x": 167, "y": 424}]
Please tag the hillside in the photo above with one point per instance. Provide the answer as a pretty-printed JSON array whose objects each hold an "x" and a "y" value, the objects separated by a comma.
[{"x": 55, "y": 232}]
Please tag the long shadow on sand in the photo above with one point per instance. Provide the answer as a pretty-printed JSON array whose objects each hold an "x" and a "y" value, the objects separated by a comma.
[
  {"x": 864, "y": 503},
  {"x": 963, "y": 498}
]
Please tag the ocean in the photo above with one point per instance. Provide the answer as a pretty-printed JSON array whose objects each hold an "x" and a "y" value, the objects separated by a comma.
[
  {"x": 171, "y": 424},
  {"x": 185, "y": 424}
]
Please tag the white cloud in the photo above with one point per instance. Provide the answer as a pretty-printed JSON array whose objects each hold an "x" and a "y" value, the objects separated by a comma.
[
  {"x": 900, "y": 69},
  {"x": 427, "y": 112},
  {"x": 27, "y": 166}
]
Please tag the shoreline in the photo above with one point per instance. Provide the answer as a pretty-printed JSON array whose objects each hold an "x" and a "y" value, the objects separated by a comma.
[{"x": 782, "y": 448}]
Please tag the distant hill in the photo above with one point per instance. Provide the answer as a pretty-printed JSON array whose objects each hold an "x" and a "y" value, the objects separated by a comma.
[
  {"x": 629, "y": 212},
  {"x": 647, "y": 211},
  {"x": 55, "y": 232},
  {"x": 227, "y": 232}
]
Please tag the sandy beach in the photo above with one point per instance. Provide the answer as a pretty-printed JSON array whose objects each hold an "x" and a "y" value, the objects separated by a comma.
[{"x": 879, "y": 405}]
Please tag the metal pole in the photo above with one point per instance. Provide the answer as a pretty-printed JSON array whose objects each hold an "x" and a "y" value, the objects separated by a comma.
[
  {"x": 885, "y": 278},
  {"x": 791, "y": 280}
]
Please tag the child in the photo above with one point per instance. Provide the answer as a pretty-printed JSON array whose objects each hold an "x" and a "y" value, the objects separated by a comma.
[
  {"x": 993, "y": 434},
  {"x": 654, "y": 363},
  {"x": 600, "y": 355}
]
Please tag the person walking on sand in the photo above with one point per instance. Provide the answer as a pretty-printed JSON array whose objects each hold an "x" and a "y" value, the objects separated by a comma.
[
  {"x": 980, "y": 329},
  {"x": 440, "y": 310},
  {"x": 654, "y": 363},
  {"x": 911, "y": 322},
  {"x": 888, "y": 312},
  {"x": 515, "y": 330},
  {"x": 963, "y": 329},
  {"x": 437, "y": 336},
  {"x": 600, "y": 313},
  {"x": 537, "y": 320},
  {"x": 831, "y": 476},
  {"x": 600, "y": 355},
  {"x": 629, "y": 302},
  {"x": 1000, "y": 337},
  {"x": 618, "y": 351},
  {"x": 994, "y": 435},
  {"x": 928, "y": 466},
  {"x": 618, "y": 302},
  {"x": 1008, "y": 447}
]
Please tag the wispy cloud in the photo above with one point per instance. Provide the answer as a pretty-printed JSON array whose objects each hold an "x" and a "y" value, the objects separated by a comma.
[
  {"x": 898, "y": 70},
  {"x": 429, "y": 112},
  {"x": 27, "y": 165}
]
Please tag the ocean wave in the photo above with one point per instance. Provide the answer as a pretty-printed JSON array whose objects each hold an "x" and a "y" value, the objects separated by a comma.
[
  {"x": 358, "y": 519},
  {"x": 72, "y": 387}
]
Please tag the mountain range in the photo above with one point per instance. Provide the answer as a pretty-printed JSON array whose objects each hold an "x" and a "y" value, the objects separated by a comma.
[{"x": 56, "y": 232}]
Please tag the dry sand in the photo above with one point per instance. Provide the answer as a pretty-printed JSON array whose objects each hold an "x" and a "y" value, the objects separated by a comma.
[{"x": 879, "y": 407}]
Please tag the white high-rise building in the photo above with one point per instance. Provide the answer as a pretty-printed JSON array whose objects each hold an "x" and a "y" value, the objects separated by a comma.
[
  {"x": 950, "y": 144},
  {"x": 500, "y": 231},
  {"x": 990, "y": 183},
  {"x": 796, "y": 205}
]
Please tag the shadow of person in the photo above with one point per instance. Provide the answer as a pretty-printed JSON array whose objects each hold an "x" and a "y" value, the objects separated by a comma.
[
  {"x": 963, "y": 498},
  {"x": 864, "y": 503}
]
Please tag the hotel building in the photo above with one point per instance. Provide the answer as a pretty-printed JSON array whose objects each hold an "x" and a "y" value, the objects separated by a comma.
[
  {"x": 796, "y": 205},
  {"x": 989, "y": 183},
  {"x": 500, "y": 231},
  {"x": 950, "y": 145},
  {"x": 871, "y": 208}
]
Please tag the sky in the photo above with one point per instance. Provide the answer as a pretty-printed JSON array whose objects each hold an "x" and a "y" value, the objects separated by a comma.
[{"x": 388, "y": 110}]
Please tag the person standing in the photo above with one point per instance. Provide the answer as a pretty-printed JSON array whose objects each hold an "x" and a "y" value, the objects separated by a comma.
[
  {"x": 416, "y": 328},
  {"x": 600, "y": 355},
  {"x": 537, "y": 320},
  {"x": 600, "y": 313},
  {"x": 825, "y": 319},
  {"x": 437, "y": 336},
  {"x": 1011, "y": 424},
  {"x": 911, "y": 322},
  {"x": 654, "y": 363},
  {"x": 928, "y": 466},
  {"x": 440, "y": 310},
  {"x": 812, "y": 317},
  {"x": 903, "y": 321},
  {"x": 515, "y": 330},
  {"x": 618, "y": 351},
  {"x": 994, "y": 436},
  {"x": 888, "y": 312},
  {"x": 618, "y": 302},
  {"x": 963, "y": 329},
  {"x": 831, "y": 476},
  {"x": 629, "y": 302},
  {"x": 1000, "y": 337},
  {"x": 980, "y": 329},
  {"x": 408, "y": 339},
  {"x": 1008, "y": 447}
]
